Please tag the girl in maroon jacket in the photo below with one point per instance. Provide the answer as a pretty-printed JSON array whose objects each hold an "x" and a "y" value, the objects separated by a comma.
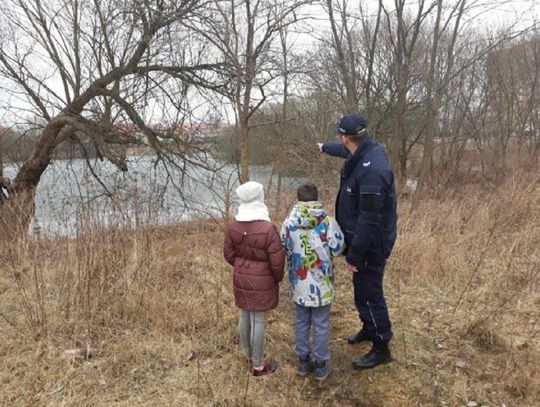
[{"x": 252, "y": 245}]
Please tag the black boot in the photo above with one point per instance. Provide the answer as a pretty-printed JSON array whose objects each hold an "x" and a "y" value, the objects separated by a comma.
[
  {"x": 379, "y": 354},
  {"x": 360, "y": 336},
  {"x": 305, "y": 365},
  {"x": 322, "y": 370}
]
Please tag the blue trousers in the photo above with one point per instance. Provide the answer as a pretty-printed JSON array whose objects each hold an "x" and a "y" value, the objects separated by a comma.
[
  {"x": 369, "y": 300},
  {"x": 313, "y": 319}
]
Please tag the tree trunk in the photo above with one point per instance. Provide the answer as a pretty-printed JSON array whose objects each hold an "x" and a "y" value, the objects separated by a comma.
[
  {"x": 29, "y": 175},
  {"x": 403, "y": 156},
  {"x": 370, "y": 105},
  {"x": 431, "y": 108},
  {"x": 404, "y": 45},
  {"x": 344, "y": 65},
  {"x": 18, "y": 209},
  {"x": 399, "y": 146},
  {"x": 245, "y": 84},
  {"x": 244, "y": 149},
  {"x": 16, "y": 213},
  {"x": 284, "y": 109}
]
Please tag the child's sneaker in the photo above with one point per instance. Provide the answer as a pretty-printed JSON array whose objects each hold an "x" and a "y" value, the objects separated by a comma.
[
  {"x": 321, "y": 370},
  {"x": 305, "y": 365},
  {"x": 266, "y": 368}
]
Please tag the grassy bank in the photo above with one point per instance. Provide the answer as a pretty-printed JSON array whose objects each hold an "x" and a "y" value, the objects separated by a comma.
[{"x": 153, "y": 312}]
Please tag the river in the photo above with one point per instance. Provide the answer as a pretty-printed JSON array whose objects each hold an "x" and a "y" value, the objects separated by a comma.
[{"x": 70, "y": 199}]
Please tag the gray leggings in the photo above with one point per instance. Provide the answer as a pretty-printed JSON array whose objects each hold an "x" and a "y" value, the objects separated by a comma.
[{"x": 251, "y": 329}]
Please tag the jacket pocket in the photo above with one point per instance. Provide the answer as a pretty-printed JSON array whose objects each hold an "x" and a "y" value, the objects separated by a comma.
[
  {"x": 370, "y": 199},
  {"x": 351, "y": 196}
]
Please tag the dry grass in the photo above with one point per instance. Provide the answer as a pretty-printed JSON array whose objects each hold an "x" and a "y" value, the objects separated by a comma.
[{"x": 462, "y": 287}]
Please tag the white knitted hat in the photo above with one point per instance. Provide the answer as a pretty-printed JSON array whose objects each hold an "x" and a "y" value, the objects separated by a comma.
[{"x": 250, "y": 192}]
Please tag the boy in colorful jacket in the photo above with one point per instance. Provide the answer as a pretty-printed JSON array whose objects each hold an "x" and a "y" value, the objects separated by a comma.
[{"x": 311, "y": 239}]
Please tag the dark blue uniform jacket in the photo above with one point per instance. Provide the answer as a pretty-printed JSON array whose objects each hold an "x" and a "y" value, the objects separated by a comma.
[{"x": 366, "y": 202}]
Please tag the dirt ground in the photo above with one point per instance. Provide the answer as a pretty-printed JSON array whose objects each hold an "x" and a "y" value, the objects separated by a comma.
[{"x": 154, "y": 314}]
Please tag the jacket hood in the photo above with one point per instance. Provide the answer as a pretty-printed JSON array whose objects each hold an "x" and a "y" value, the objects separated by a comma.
[
  {"x": 252, "y": 211},
  {"x": 306, "y": 215}
]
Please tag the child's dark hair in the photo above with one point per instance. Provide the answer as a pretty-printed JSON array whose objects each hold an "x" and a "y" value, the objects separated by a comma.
[{"x": 307, "y": 192}]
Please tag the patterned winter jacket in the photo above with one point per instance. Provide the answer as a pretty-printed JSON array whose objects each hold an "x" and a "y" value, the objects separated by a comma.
[{"x": 311, "y": 239}]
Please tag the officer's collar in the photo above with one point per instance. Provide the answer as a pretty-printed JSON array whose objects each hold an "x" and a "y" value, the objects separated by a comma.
[
  {"x": 364, "y": 145},
  {"x": 360, "y": 152}
]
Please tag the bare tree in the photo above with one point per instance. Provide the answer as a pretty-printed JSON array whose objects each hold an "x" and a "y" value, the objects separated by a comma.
[
  {"x": 404, "y": 30},
  {"x": 371, "y": 33},
  {"x": 513, "y": 80},
  {"x": 285, "y": 64},
  {"x": 347, "y": 60},
  {"x": 434, "y": 87},
  {"x": 403, "y": 64},
  {"x": 291, "y": 66},
  {"x": 84, "y": 66},
  {"x": 375, "y": 56},
  {"x": 245, "y": 33}
]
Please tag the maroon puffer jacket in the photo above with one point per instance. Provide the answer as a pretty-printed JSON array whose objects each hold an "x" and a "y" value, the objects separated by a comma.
[{"x": 255, "y": 251}]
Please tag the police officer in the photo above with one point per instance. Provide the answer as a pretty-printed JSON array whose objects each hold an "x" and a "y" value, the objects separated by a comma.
[{"x": 366, "y": 212}]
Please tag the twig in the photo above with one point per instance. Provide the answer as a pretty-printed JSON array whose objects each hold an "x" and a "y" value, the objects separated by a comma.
[
  {"x": 246, "y": 390},
  {"x": 12, "y": 324},
  {"x": 476, "y": 268},
  {"x": 404, "y": 342}
]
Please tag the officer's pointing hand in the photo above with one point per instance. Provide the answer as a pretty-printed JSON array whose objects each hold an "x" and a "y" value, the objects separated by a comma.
[{"x": 320, "y": 146}]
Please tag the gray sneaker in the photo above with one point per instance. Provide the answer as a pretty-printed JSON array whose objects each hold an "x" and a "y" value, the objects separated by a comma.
[
  {"x": 321, "y": 370},
  {"x": 305, "y": 365}
]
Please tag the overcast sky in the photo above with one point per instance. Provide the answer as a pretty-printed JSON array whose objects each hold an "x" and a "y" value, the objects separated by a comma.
[{"x": 486, "y": 14}]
